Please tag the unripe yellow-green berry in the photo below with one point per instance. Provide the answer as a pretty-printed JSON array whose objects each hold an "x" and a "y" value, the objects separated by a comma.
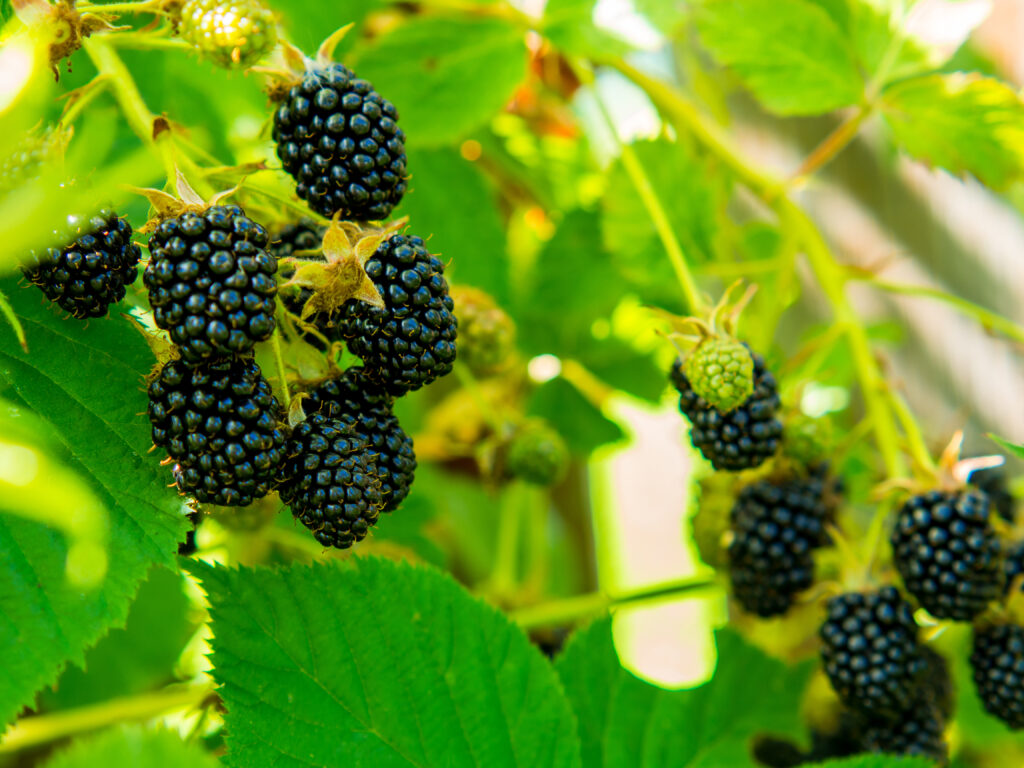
[
  {"x": 807, "y": 440},
  {"x": 715, "y": 499},
  {"x": 722, "y": 372},
  {"x": 487, "y": 335},
  {"x": 537, "y": 454},
  {"x": 231, "y": 33}
]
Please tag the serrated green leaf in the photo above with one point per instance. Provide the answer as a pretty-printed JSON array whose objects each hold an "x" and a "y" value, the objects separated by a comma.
[
  {"x": 569, "y": 24},
  {"x": 378, "y": 664},
  {"x": 462, "y": 225},
  {"x": 624, "y": 721},
  {"x": 446, "y": 76},
  {"x": 133, "y": 746},
  {"x": 691, "y": 195},
  {"x": 86, "y": 381},
  {"x": 963, "y": 123},
  {"x": 790, "y": 53}
]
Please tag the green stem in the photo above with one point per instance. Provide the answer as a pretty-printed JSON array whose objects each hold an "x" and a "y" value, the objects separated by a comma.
[
  {"x": 43, "y": 729},
  {"x": 148, "y": 42},
  {"x": 649, "y": 196},
  {"x": 573, "y": 609},
  {"x": 12, "y": 318},
  {"x": 86, "y": 96},
  {"x": 503, "y": 578},
  {"x": 147, "y": 6},
  {"x": 987, "y": 318},
  {"x": 833, "y": 144},
  {"x": 915, "y": 439}
]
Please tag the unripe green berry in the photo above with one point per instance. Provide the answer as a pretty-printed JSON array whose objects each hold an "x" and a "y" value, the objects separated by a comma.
[
  {"x": 715, "y": 499},
  {"x": 537, "y": 454},
  {"x": 722, "y": 372},
  {"x": 232, "y": 33},
  {"x": 807, "y": 440},
  {"x": 487, "y": 335}
]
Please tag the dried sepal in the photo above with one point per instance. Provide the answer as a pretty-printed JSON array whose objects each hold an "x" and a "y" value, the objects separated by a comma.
[
  {"x": 325, "y": 53},
  {"x": 186, "y": 199}
]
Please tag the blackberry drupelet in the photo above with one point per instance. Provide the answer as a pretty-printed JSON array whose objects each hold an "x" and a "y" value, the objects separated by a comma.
[
  {"x": 721, "y": 371},
  {"x": 211, "y": 282},
  {"x": 870, "y": 651},
  {"x": 992, "y": 482},
  {"x": 917, "y": 732},
  {"x": 776, "y": 526},
  {"x": 744, "y": 437},
  {"x": 354, "y": 400},
  {"x": 947, "y": 553},
  {"x": 1013, "y": 566},
  {"x": 998, "y": 664},
  {"x": 340, "y": 141},
  {"x": 411, "y": 340},
  {"x": 218, "y": 422},
  {"x": 90, "y": 273},
  {"x": 330, "y": 481},
  {"x": 301, "y": 235}
]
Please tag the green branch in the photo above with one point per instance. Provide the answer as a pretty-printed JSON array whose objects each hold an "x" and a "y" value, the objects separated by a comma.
[{"x": 570, "y": 610}]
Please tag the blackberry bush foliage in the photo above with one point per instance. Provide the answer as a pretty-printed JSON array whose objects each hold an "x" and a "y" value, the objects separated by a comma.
[
  {"x": 395, "y": 399},
  {"x": 92, "y": 271}
]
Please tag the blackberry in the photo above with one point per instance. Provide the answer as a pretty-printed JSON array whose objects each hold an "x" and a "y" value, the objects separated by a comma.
[
  {"x": 742, "y": 438},
  {"x": 998, "y": 664},
  {"x": 354, "y": 400},
  {"x": 487, "y": 335},
  {"x": 917, "y": 732},
  {"x": 776, "y": 526},
  {"x": 1013, "y": 566},
  {"x": 947, "y": 553},
  {"x": 330, "y": 481},
  {"x": 340, "y": 141},
  {"x": 870, "y": 651},
  {"x": 231, "y": 33},
  {"x": 218, "y": 422},
  {"x": 411, "y": 340},
  {"x": 90, "y": 273},
  {"x": 211, "y": 282},
  {"x": 537, "y": 454}
]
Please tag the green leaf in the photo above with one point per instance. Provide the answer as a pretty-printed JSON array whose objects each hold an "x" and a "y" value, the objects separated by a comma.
[
  {"x": 569, "y": 25},
  {"x": 875, "y": 761},
  {"x": 691, "y": 196},
  {"x": 86, "y": 381},
  {"x": 960, "y": 122},
  {"x": 574, "y": 417},
  {"x": 137, "y": 658},
  {"x": 446, "y": 76},
  {"x": 311, "y": 21},
  {"x": 624, "y": 721},
  {"x": 462, "y": 224},
  {"x": 790, "y": 53},
  {"x": 133, "y": 746},
  {"x": 1006, "y": 445},
  {"x": 377, "y": 664}
]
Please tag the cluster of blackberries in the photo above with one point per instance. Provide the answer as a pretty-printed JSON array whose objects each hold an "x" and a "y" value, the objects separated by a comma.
[
  {"x": 776, "y": 525},
  {"x": 742, "y": 438}
]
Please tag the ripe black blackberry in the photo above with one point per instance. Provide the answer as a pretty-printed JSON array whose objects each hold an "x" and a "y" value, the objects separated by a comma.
[
  {"x": 340, "y": 141},
  {"x": 998, "y": 664},
  {"x": 354, "y": 400},
  {"x": 870, "y": 651},
  {"x": 411, "y": 340},
  {"x": 330, "y": 481},
  {"x": 992, "y": 482},
  {"x": 90, "y": 273},
  {"x": 742, "y": 438},
  {"x": 218, "y": 423},
  {"x": 776, "y": 525},
  {"x": 917, "y": 732},
  {"x": 1013, "y": 566},
  {"x": 211, "y": 282},
  {"x": 947, "y": 553}
]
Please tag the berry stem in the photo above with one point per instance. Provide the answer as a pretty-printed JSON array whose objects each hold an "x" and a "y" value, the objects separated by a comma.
[
  {"x": 831, "y": 146},
  {"x": 918, "y": 448},
  {"x": 12, "y": 318},
  {"x": 503, "y": 578},
  {"x": 687, "y": 117},
  {"x": 146, "y": 6},
  {"x": 43, "y": 729},
  {"x": 649, "y": 197},
  {"x": 570, "y": 610}
]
